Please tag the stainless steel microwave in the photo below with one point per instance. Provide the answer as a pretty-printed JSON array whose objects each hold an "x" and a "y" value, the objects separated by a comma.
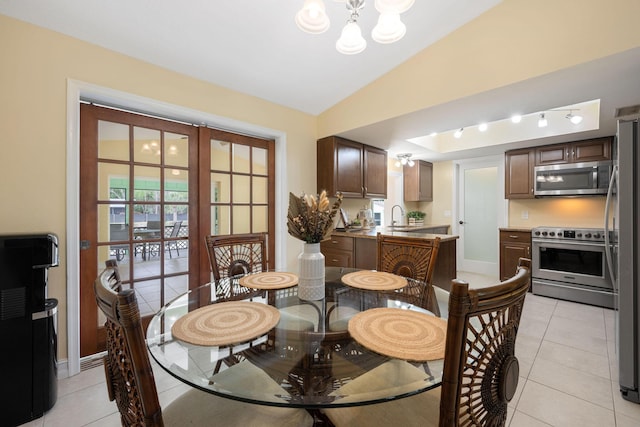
[{"x": 572, "y": 179}]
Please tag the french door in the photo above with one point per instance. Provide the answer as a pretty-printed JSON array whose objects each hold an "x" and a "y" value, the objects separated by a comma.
[{"x": 150, "y": 190}]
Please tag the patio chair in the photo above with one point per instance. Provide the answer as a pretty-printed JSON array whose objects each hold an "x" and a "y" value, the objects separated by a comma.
[
  {"x": 480, "y": 373},
  {"x": 173, "y": 244},
  {"x": 117, "y": 233},
  {"x": 415, "y": 258},
  {"x": 130, "y": 380}
]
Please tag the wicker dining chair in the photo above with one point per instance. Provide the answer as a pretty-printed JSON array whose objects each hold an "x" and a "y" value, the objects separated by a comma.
[
  {"x": 415, "y": 258},
  {"x": 234, "y": 255},
  {"x": 480, "y": 373},
  {"x": 130, "y": 380}
]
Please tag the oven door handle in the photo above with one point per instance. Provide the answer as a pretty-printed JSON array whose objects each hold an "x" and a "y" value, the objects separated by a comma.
[{"x": 566, "y": 243}]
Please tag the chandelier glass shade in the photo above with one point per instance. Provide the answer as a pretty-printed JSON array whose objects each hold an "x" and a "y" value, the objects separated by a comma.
[{"x": 313, "y": 19}]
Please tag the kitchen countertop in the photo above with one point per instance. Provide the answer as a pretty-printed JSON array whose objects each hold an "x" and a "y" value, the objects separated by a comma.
[
  {"x": 524, "y": 230},
  {"x": 389, "y": 231}
]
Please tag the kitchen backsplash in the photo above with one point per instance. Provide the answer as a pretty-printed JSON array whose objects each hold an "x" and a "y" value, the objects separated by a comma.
[{"x": 557, "y": 211}]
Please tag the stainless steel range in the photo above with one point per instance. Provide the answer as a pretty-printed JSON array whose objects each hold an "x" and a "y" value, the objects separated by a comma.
[{"x": 570, "y": 264}]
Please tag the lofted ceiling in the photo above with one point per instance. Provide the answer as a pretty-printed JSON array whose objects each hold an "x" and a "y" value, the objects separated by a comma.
[{"x": 254, "y": 47}]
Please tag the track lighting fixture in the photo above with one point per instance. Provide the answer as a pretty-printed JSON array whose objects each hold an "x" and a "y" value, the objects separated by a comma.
[
  {"x": 576, "y": 119},
  {"x": 542, "y": 121},
  {"x": 404, "y": 159},
  {"x": 458, "y": 133}
]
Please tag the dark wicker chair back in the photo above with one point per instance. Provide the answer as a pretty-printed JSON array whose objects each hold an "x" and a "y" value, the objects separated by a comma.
[
  {"x": 234, "y": 255},
  {"x": 414, "y": 258},
  {"x": 128, "y": 370},
  {"x": 480, "y": 368}
]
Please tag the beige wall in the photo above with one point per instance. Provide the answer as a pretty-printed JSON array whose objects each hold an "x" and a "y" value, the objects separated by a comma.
[
  {"x": 36, "y": 64},
  {"x": 512, "y": 42}
]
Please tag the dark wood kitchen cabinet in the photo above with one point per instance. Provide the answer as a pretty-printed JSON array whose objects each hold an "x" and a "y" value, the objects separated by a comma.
[
  {"x": 338, "y": 251},
  {"x": 589, "y": 150},
  {"x": 355, "y": 169},
  {"x": 345, "y": 251},
  {"x": 518, "y": 180},
  {"x": 514, "y": 244},
  {"x": 418, "y": 182}
]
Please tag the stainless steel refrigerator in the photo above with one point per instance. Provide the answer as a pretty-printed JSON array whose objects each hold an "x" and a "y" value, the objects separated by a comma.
[{"x": 622, "y": 229}]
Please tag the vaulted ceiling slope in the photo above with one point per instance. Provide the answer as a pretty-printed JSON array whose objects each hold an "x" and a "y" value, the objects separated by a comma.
[{"x": 249, "y": 46}]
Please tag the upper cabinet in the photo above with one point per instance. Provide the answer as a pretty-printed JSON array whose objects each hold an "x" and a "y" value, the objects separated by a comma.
[
  {"x": 355, "y": 169},
  {"x": 589, "y": 150},
  {"x": 418, "y": 182},
  {"x": 519, "y": 164},
  {"x": 518, "y": 180}
]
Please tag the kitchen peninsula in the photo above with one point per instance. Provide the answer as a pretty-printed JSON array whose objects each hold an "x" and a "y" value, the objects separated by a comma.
[{"x": 358, "y": 248}]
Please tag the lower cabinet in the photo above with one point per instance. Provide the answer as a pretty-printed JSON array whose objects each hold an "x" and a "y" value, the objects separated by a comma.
[
  {"x": 338, "y": 251},
  {"x": 362, "y": 252},
  {"x": 344, "y": 251},
  {"x": 366, "y": 253},
  {"x": 514, "y": 244}
]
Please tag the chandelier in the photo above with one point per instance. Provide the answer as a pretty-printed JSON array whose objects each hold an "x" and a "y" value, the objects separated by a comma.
[{"x": 312, "y": 18}]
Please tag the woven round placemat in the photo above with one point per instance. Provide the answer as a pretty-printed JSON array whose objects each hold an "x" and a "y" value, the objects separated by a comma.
[
  {"x": 269, "y": 280},
  {"x": 226, "y": 323},
  {"x": 403, "y": 334},
  {"x": 374, "y": 280}
]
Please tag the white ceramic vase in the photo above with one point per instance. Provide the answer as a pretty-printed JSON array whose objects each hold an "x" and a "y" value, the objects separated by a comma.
[{"x": 311, "y": 273}]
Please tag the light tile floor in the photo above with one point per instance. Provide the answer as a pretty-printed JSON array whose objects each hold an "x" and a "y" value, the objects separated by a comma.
[{"x": 568, "y": 374}]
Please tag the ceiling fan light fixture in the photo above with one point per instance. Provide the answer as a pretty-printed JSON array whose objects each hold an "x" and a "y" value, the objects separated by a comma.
[
  {"x": 390, "y": 28},
  {"x": 393, "y": 6},
  {"x": 542, "y": 121},
  {"x": 411, "y": 163},
  {"x": 351, "y": 41},
  {"x": 312, "y": 18}
]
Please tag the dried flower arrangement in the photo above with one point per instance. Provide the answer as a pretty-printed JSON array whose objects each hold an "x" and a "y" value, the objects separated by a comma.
[{"x": 310, "y": 218}]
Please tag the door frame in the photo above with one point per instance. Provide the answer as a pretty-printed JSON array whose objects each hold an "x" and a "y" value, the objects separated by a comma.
[
  {"x": 78, "y": 91},
  {"x": 503, "y": 206}
]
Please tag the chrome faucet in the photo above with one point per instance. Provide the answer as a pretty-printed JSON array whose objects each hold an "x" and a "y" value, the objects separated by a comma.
[{"x": 393, "y": 222}]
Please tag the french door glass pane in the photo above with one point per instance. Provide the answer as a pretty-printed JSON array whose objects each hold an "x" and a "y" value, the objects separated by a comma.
[
  {"x": 259, "y": 161},
  {"x": 176, "y": 150},
  {"x": 176, "y": 185},
  {"x": 113, "y": 141},
  {"x": 259, "y": 190},
  {"x": 241, "y": 158},
  {"x": 260, "y": 219},
  {"x": 220, "y": 188},
  {"x": 241, "y": 189},
  {"x": 113, "y": 181},
  {"x": 146, "y": 145},
  {"x": 148, "y": 294},
  {"x": 146, "y": 185},
  {"x": 220, "y": 220},
  {"x": 241, "y": 219},
  {"x": 220, "y": 155}
]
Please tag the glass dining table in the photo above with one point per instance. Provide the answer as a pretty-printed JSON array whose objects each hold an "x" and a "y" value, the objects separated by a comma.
[{"x": 309, "y": 355}]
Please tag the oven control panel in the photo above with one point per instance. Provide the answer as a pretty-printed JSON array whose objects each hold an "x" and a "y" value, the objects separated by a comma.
[{"x": 556, "y": 233}]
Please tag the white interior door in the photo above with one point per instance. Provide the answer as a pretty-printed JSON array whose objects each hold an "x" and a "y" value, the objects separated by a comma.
[{"x": 481, "y": 211}]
